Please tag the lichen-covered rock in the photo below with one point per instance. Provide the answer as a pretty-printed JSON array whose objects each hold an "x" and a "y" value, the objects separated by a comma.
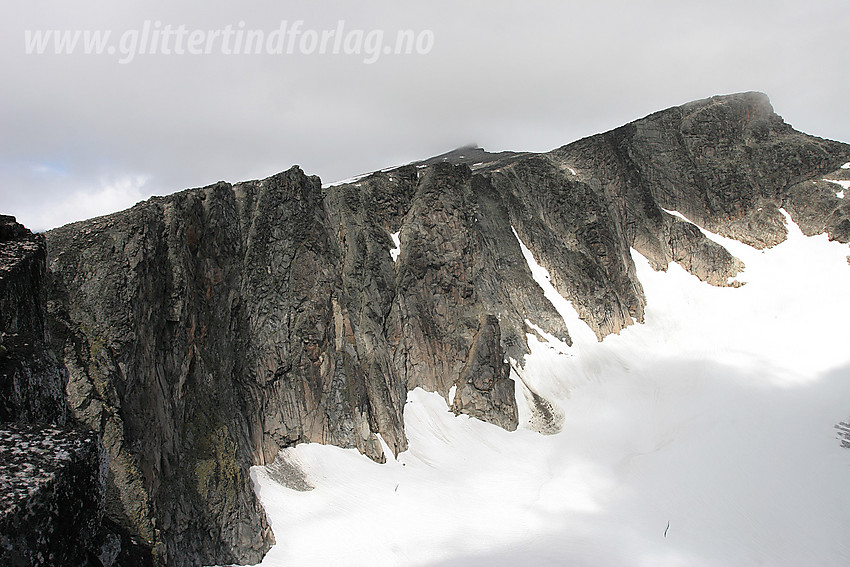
[
  {"x": 32, "y": 383},
  {"x": 21, "y": 277},
  {"x": 52, "y": 483}
]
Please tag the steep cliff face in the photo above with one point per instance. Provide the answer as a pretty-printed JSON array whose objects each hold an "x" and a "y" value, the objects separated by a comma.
[
  {"x": 33, "y": 383},
  {"x": 459, "y": 263},
  {"x": 206, "y": 330},
  {"x": 52, "y": 473}
]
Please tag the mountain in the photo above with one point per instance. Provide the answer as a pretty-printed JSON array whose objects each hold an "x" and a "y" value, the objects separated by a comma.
[
  {"x": 207, "y": 330},
  {"x": 710, "y": 435}
]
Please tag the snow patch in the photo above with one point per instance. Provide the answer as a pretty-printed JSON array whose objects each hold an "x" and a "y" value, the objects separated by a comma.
[
  {"x": 345, "y": 181},
  {"x": 552, "y": 341},
  {"x": 394, "y": 252},
  {"x": 362, "y": 175},
  {"x": 844, "y": 183},
  {"x": 578, "y": 329},
  {"x": 846, "y": 165},
  {"x": 452, "y": 392},
  {"x": 388, "y": 453}
]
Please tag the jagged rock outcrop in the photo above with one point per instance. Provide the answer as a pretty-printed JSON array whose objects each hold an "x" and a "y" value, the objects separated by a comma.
[
  {"x": 727, "y": 163},
  {"x": 52, "y": 473},
  {"x": 819, "y": 205},
  {"x": 206, "y": 330},
  {"x": 484, "y": 388},
  {"x": 459, "y": 261},
  {"x": 578, "y": 236},
  {"x": 32, "y": 383}
]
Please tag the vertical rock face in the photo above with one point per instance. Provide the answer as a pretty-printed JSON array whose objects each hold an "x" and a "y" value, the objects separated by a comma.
[
  {"x": 577, "y": 234},
  {"x": 821, "y": 205},
  {"x": 52, "y": 476},
  {"x": 484, "y": 388},
  {"x": 459, "y": 262},
  {"x": 206, "y": 330},
  {"x": 32, "y": 383},
  {"x": 435, "y": 314}
]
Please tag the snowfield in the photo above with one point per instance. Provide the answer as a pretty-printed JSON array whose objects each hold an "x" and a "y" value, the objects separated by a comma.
[{"x": 704, "y": 437}]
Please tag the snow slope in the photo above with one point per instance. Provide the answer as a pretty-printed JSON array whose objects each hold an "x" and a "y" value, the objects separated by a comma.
[{"x": 704, "y": 437}]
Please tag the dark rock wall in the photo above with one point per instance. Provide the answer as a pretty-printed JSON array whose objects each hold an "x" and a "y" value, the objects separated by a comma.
[
  {"x": 206, "y": 330},
  {"x": 577, "y": 235},
  {"x": 484, "y": 388},
  {"x": 52, "y": 474},
  {"x": 32, "y": 383},
  {"x": 459, "y": 261}
]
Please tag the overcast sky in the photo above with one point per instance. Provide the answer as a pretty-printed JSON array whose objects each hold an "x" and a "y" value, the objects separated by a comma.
[{"x": 83, "y": 135}]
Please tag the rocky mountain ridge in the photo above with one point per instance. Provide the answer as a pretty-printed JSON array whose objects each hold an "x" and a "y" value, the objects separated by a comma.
[{"x": 206, "y": 330}]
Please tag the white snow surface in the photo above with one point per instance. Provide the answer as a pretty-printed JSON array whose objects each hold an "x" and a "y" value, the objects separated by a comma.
[
  {"x": 846, "y": 165},
  {"x": 394, "y": 252},
  {"x": 843, "y": 182},
  {"x": 715, "y": 418},
  {"x": 345, "y": 181}
]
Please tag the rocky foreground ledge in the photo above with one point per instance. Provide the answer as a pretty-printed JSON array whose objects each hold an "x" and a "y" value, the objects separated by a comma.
[{"x": 52, "y": 485}]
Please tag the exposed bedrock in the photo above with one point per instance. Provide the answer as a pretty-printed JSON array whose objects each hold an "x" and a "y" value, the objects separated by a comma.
[
  {"x": 32, "y": 383},
  {"x": 206, "y": 330},
  {"x": 52, "y": 471}
]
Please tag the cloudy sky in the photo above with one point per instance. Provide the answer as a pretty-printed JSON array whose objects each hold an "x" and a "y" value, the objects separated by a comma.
[{"x": 86, "y": 134}]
